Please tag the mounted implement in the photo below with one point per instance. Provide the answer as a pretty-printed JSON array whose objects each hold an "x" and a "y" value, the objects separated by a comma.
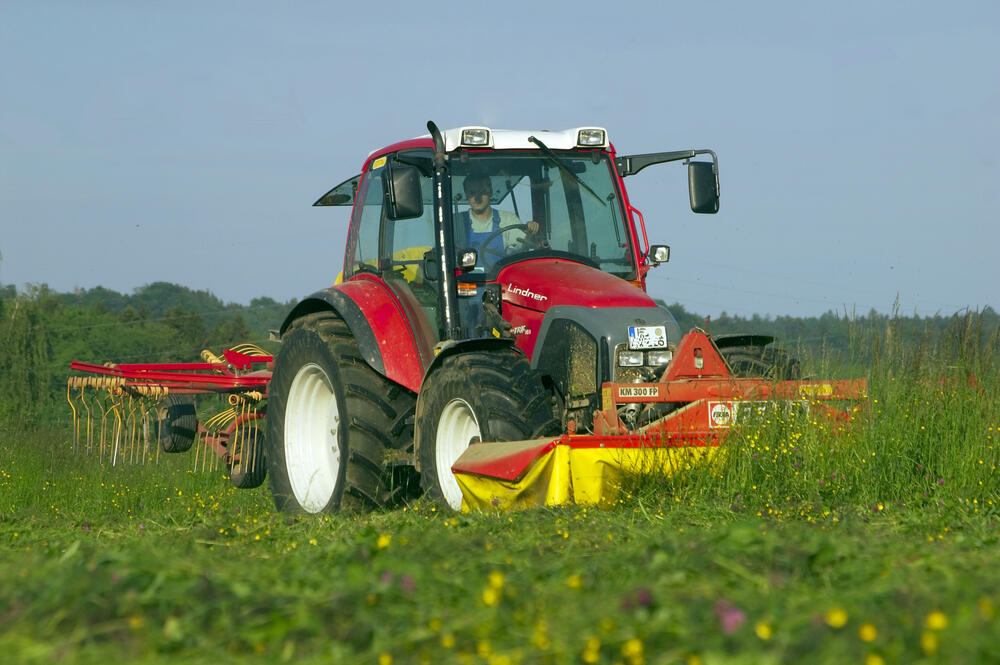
[{"x": 491, "y": 341}]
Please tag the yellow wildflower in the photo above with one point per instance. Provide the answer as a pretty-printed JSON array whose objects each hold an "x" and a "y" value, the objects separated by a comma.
[
  {"x": 986, "y": 609},
  {"x": 929, "y": 642},
  {"x": 936, "y": 621},
  {"x": 836, "y": 617},
  {"x": 592, "y": 652},
  {"x": 867, "y": 632},
  {"x": 496, "y": 579},
  {"x": 632, "y": 650},
  {"x": 491, "y": 596}
]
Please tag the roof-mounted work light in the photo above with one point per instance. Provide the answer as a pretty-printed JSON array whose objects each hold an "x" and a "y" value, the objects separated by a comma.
[
  {"x": 476, "y": 137},
  {"x": 591, "y": 137}
]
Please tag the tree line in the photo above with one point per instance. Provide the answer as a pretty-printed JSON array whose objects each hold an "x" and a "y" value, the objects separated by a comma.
[{"x": 41, "y": 331}]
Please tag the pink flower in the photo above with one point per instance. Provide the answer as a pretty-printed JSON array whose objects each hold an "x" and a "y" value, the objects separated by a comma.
[{"x": 730, "y": 617}]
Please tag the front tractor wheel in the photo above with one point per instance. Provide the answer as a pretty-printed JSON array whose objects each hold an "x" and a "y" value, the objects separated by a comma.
[
  {"x": 472, "y": 397},
  {"x": 331, "y": 418}
]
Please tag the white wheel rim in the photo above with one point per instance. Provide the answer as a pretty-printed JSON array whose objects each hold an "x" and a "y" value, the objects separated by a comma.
[
  {"x": 456, "y": 428},
  {"x": 312, "y": 448}
]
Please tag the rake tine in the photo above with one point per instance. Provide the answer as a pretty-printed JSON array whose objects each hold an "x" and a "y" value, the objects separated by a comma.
[
  {"x": 145, "y": 435},
  {"x": 130, "y": 425},
  {"x": 197, "y": 451},
  {"x": 117, "y": 427},
  {"x": 90, "y": 419},
  {"x": 105, "y": 410},
  {"x": 76, "y": 422}
]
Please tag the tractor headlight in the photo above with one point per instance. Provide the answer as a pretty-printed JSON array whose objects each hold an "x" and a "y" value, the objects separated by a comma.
[
  {"x": 468, "y": 258},
  {"x": 659, "y": 357},
  {"x": 478, "y": 137},
  {"x": 630, "y": 358},
  {"x": 591, "y": 137}
]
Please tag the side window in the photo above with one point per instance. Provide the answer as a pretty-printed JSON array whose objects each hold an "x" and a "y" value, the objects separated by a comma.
[
  {"x": 609, "y": 245},
  {"x": 365, "y": 223},
  {"x": 406, "y": 242}
]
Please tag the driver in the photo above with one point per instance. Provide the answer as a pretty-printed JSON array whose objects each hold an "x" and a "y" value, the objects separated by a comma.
[{"x": 481, "y": 219}]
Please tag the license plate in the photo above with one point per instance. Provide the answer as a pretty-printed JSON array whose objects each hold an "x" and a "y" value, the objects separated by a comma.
[{"x": 647, "y": 337}]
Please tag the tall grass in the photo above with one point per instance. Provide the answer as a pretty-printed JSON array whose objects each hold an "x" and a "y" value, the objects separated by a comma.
[
  {"x": 927, "y": 435},
  {"x": 724, "y": 564}
]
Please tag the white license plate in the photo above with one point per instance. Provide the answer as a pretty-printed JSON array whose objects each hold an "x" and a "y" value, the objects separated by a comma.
[{"x": 647, "y": 337}]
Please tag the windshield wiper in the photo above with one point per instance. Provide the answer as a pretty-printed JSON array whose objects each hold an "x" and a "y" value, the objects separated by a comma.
[{"x": 565, "y": 169}]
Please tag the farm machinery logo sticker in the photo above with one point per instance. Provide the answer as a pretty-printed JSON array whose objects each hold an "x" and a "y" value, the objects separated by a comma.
[
  {"x": 725, "y": 414},
  {"x": 721, "y": 414}
]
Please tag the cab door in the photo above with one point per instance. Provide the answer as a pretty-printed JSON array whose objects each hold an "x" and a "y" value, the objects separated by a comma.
[{"x": 403, "y": 245}]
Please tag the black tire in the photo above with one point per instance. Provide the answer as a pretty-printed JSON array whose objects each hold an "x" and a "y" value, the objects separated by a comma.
[
  {"x": 248, "y": 464},
  {"x": 331, "y": 419},
  {"x": 761, "y": 362},
  {"x": 489, "y": 395},
  {"x": 178, "y": 425}
]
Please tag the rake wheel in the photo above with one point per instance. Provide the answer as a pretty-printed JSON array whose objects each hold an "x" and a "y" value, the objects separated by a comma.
[{"x": 178, "y": 425}]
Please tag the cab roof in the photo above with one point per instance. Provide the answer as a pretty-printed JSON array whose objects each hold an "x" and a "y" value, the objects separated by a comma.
[{"x": 504, "y": 139}]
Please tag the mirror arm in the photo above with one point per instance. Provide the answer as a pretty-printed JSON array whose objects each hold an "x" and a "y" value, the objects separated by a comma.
[{"x": 632, "y": 164}]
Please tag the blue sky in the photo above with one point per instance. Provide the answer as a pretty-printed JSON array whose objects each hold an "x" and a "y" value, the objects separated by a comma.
[{"x": 184, "y": 142}]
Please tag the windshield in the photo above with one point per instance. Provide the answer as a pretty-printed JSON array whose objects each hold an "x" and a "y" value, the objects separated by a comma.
[{"x": 511, "y": 206}]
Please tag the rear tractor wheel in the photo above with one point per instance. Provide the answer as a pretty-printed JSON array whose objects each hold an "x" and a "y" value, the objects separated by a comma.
[
  {"x": 472, "y": 397},
  {"x": 331, "y": 420}
]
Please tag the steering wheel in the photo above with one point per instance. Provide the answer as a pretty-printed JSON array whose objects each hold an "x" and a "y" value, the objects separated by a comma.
[{"x": 484, "y": 248}]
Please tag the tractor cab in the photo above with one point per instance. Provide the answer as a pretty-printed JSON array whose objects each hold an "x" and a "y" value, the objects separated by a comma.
[{"x": 448, "y": 221}]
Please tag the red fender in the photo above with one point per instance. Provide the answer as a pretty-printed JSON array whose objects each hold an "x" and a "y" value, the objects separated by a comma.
[{"x": 377, "y": 317}]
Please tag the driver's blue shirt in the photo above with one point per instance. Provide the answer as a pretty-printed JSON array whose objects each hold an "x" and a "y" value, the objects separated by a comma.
[{"x": 476, "y": 239}]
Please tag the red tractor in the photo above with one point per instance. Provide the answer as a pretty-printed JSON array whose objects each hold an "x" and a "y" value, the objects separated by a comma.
[
  {"x": 491, "y": 340},
  {"x": 490, "y": 343}
]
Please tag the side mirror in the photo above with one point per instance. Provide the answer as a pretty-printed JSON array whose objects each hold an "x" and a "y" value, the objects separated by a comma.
[
  {"x": 703, "y": 187},
  {"x": 402, "y": 191}
]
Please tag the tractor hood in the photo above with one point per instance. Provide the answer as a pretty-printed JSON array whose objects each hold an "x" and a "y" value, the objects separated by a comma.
[{"x": 545, "y": 283}]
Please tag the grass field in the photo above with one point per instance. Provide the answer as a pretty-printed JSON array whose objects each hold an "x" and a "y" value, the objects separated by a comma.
[{"x": 871, "y": 543}]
